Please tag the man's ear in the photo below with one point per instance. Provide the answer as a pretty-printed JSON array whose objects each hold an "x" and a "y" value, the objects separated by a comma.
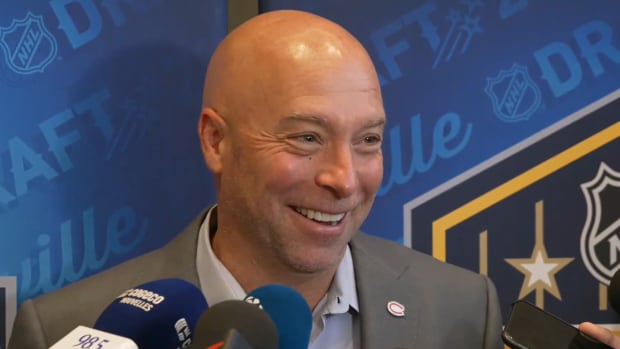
[{"x": 211, "y": 130}]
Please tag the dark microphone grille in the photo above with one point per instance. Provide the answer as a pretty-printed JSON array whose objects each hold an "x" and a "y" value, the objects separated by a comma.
[{"x": 252, "y": 323}]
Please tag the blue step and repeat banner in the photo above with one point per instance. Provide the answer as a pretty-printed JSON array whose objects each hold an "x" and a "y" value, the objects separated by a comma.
[
  {"x": 99, "y": 153},
  {"x": 502, "y": 149}
]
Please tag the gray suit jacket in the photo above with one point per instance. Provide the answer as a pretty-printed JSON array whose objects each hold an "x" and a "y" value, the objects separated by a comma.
[{"x": 446, "y": 306}]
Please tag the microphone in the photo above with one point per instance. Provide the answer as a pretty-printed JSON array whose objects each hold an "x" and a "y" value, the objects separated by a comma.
[
  {"x": 235, "y": 324},
  {"x": 83, "y": 337},
  {"x": 288, "y": 310},
  {"x": 156, "y": 315},
  {"x": 613, "y": 291},
  {"x": 232, "y": 340}
]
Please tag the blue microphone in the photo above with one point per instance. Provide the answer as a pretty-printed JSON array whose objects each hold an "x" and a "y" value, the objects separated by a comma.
[
  {"x": 160, "y": 314},
  {"x": 288, "y": 310}
]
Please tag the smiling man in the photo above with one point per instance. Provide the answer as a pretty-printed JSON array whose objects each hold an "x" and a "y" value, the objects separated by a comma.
[{"x": 291, "y": 127}]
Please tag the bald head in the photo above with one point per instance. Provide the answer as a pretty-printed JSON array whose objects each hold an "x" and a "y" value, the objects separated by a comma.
[{"x": 268, "y": 53}]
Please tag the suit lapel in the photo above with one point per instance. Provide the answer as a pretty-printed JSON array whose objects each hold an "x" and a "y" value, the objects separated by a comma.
[
  {"x": 378, "y": 283},
  {"x": 179, "y": 255}
]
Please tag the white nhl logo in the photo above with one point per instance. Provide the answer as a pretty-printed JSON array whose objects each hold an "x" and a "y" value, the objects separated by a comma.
[{"x": 600, "y": 237}]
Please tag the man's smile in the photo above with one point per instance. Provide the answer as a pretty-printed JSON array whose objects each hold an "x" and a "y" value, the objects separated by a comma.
[{"x": 321, "y": 217}]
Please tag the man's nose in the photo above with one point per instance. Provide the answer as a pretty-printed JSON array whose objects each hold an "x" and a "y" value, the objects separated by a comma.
[{"x": 337, "y": 171}]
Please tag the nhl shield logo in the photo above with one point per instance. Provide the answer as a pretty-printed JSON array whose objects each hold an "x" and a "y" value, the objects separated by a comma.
[
  {"x": 28, "y": 46},
  {"x": 600, "y": 237},
  {"x": 515, "y": 97}
]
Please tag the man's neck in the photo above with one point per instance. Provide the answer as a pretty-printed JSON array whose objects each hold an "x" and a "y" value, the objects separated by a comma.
[{"x": 252, "y": 271}]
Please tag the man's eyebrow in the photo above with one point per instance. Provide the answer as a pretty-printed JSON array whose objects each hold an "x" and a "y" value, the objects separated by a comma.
[
  {"x": 315, "y": 119},
  {"x": 378, "y": 122},
  {"x": 296, "y": 117}
]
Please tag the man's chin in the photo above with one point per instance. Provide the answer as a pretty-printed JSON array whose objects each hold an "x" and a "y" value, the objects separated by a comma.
[{"x": 313, "y": 263}]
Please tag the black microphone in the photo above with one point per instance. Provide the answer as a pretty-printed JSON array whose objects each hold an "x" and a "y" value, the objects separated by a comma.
[
  {"x": 613, "y": 292},
  {"x": 232, "y": 340},
  {"x": 235, "y": 324}
]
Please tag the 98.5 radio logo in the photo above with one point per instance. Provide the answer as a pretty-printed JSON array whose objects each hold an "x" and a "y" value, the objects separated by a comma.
[{"x": 540, "y": 219}]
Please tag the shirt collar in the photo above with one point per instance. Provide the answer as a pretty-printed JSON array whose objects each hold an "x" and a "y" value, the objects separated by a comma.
[
  {"x": 216, "y": 282},
  {"x": 342, "y": 293}
]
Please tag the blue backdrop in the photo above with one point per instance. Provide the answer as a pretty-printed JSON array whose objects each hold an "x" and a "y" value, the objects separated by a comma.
[
  {"x": 100, "y": 100},
  {"x": 501, "y": 149},
  {"x": 478, "y": 94}
]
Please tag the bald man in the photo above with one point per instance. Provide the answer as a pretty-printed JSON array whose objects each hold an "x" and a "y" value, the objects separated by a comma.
[{"x": 291, "y": 127}]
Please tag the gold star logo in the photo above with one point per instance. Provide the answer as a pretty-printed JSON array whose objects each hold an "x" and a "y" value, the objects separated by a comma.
[{"x": 539, "y": 269}]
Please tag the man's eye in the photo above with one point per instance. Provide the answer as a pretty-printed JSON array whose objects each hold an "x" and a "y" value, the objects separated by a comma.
[
  {"x": 308, "y": 138},
  {"x": 372, "y": 139}
]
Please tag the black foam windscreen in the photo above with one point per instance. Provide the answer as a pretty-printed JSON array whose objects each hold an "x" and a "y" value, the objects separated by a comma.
[{"x": 251, "y": 322}]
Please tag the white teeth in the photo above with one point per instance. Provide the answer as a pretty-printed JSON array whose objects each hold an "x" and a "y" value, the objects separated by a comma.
[{"x": 320, "y": 216}]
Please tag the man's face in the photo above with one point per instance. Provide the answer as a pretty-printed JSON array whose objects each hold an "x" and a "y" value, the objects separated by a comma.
[{"x": 304, "y": 165}]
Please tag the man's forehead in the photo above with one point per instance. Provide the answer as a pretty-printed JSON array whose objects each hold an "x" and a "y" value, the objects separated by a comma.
[
  {"x": 279, "y": 37},
  {"x": 274, "y": 59}
]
